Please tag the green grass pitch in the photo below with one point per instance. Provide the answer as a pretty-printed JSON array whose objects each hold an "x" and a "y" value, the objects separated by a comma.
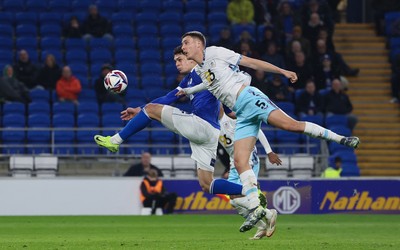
[{"x": 198, "y": 232}]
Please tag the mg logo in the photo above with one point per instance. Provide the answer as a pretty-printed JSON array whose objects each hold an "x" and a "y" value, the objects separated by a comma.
[{"x": 286, "y": 200}]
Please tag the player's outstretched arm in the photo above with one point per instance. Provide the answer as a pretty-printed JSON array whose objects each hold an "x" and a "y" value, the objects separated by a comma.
[
  {"x": 272, "y": 157},
  {"x": 267, "y": 67}
]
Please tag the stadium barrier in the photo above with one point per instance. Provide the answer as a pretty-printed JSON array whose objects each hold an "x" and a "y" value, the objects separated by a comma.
[{"x": 120, "y": 196}]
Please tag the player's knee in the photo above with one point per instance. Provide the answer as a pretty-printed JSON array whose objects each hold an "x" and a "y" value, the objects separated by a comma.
[{"x": 150, "y": 108}]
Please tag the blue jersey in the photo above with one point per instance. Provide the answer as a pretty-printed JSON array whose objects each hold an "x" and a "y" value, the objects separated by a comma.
[{"x": 204, "y": 104}]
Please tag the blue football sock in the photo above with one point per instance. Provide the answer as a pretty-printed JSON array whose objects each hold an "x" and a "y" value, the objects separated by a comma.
[
  {"x": 222, "y": 186},
  {"x": 139, "y": 122}
]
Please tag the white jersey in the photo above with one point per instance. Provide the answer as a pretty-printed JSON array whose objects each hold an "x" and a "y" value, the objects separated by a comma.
[{"x": 220, "y": 74}]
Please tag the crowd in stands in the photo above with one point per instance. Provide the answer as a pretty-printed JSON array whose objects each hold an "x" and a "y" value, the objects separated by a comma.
[{"x": 89, "y": 38}]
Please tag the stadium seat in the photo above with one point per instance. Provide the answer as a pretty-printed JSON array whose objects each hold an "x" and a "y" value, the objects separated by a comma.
[
  {"x": 38, "y": 136},
  {"x": 336, "y": 147},
  {"x": 6, "y": 43},
  {"x": 46, "y": 166},
  {"x": 172, "y": 6},
  {"x": 79, "y": 68},
  {"x": 217, "y": 17},
  {"x": 217, "y": 5},
  {"x": 76, "y": 55},
  {"x": 74, "y": 43},
  {"x": 127, "y": 68},
  {"x": 36, "y": 5},
  {"x": 323, "y": 92},
  {"x": 214, "y": 31},
  {"x": 67, "y": 108},
  {"x": 136, "y": 97},
  {"x": 168, "y": 44},
  {"x": 150, "y": 69},
  {"x": 237, "y": 29},
  {"x": 101, "y": 56},
  {"x": 100, "y": 43},
  {"x": 124, "y": 18},
  {"x": 147, "y": 18},
  {"x": 194, "y": 18},
  {"x": 124, "y": 43},
  {"x": 149, "y": 56},
  {"x": 79, "y": 5},
  {"x": 80, "y": 15},
  {"x": 59, "y": 6},
  {"x": 49, "y": 43},
  {"x": 150, "y": 6},
  {"x": 170, "y": 70},
  {"x": 278, "y": 172},
  {"x": 148, "y": 43},
  {"x": 170, "y": 31},
  {"x": 154, "y": 81},
  {"x": 111, "y": 108},
  {"x": 196, "y": 6},
  {"x": 287, "y": 107},
  {"x": 6, "y": 31},
  {"x": 124, "y": 55},
  {"x": 22, "y": 18},
  {"x": 302, "y": 166},
  {"x": 269, "y": 132},
  {"x": 6, "y": 56},
  {"x": 13, "y": 140},
  {"x": 10, "y": 108},
  {"x": 111, "y": 121},
  {"x": 50, "y": 30},
  {"x": 26, "y": 30},
  {"x": 7, "y": 18},
  {"x": 21, "y": 166},
  {"x": 106, "y": 5},
  {"x": 88, "y": 107},
  {"x": 168, "y": 57},
  {"x": 39, "y": 95},
  {"x": 137, "y": 144},
  {"x": 26, "y": 43},
  {"x": 128, "y": 6},
  {"x": 91, "y": 122},
  {"x": 56, "y": 53},
  {"x": 346, "y": 156},
  {"x": 39, "y": 107},
  {"x": 195, "y": 26},
  {"x": 154, "y": 92},
  {"x": 147, "y": 30},
  {"x": 184, "y": 167},
  {"x": 64, "y": 137},
  {"x": 390, "y": 18},
  {"x": 336, "y": 120},
  {"x": 289, "y": 143},
  {"x": 318, "y": 119},
  {"x": 170, "y": 18},
  {"x": 50, "y": 18},
  {"x": 164, "y": 163},
  {"x": 350, "y": 169},
  {"x": 123, "y": 31},
  {"x": 13, "y": 5}
]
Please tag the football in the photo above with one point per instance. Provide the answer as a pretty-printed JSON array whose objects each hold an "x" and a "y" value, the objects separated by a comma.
[{"x": 116, "y": 81}]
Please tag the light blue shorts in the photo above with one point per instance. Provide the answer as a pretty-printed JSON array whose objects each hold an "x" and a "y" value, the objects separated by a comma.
[{"x": 252, "y": 107}]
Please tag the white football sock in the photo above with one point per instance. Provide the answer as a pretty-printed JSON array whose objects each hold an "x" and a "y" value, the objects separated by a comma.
[
  {"x": 269, "y": 214},
  {"x": 116, "y": 139},
  {"x": 317, "y": 131},
  {"x": 249, "y": 182}
]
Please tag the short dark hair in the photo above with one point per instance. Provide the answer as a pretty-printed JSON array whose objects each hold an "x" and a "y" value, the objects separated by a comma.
[
  {"x": 178, "y": 50},
  {"x": 338, "y": 159},
  {"x": 196, "y": 34}
]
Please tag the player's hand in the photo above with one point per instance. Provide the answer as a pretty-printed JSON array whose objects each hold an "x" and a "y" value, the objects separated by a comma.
[
  {"x": 274, "y": 159},
  {"x": 129, "y": 113},
  {"x": 181, "y": 92},
  {"x": 290, "y": 75}
]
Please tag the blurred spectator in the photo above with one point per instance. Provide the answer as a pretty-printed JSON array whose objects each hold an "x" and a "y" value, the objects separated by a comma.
[
  {"x": 144, "y": 167},
  {"x": 240, "y": 12},
  {"x": 153, "y": 194},
  {"x": 312, "y": 27},
  {"x": 380, "y": 8},
  {"x": 97, "y": 26},
  {"x": 323, "y": 11},
  {"x": 49, "y": 73},
  {"x": 333, "y": 171},
  {"x": 272, "y": 56},
  {"x": 310, "y": 101},
  {"x": 338, "y": 103},
  {"x": 303, "y": 70},
  {"x": 260, "y": 81},
  {"x": 294, "y": 48},
  {"x": 225, "y": 39},
  {"x": 395, "y": 80},
  {"x": 103, "y": 95},
  {"x": 73, "y": 29},
  {"x": 262, "y": 13},
  {"x": 68, "y": 86},
  {"x": 286, "y": 20},
  {"x": 324, "y": 35},
  {"x": 277, "y": 91},
  {"x": 245, "y": 37},
  {"x": 246, "y": 50},
  {"x": 25, "y": 70},
  {"x": 11, "y": 89},
  {"x": 297, "y": 35},
  {"x": 325, "y": 74},
  {"x": 269, "y": 37}
]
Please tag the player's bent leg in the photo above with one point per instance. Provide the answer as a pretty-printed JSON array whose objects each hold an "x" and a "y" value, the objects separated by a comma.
[
  {"x": 205, "y": 178},
  {"x": 217, "y": 186},
  {"x": 281, "y": 120},
  {"x": 271, "y": 218}
]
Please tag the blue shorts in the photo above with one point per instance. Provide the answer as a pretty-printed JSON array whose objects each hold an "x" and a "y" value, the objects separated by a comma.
[{"x": 252, "y": 107}]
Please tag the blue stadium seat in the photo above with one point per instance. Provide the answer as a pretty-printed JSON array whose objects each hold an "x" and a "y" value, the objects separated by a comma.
[
  {"x": 150, "y": 69},
  {"x": 26, "y": 18},
  {"x": 312, "y": 145},
  {"x": 76, "y": 56},
  {"x": 101, "y": 56},
  {"x": 323, "y": 92},
  {"x": 64, "y": 137},
  {"x": 146, "y": 18},
  {"x": 287, "y": 107},
  {"x": 170, "y": 70},
  {"x": 128, "y": 6},
  {"x": 136, "y": 97},
  {"x": 100, "y": 43},
  {"x": 162, "y": 141},
  {"x": 39, "y": 107},
  {"x": 123, "y": 30},
  {"x": 170, "y": 18},
  {"x": 336, "y": 120},
  {"x": 217, "y": 17},
  {"x": 106, "y": 5},
  {"x": 147, "y": 30},
  {"x": 88, "y": 106},
  {"x": 50, "y": 30},
  {"x": 111, "y": 121},
  {"x": 79, "y": 68},
  {"x": 214, "y": 31},
  {"x": 50, "y": 43},
  {"x": 74, "y": 43},
  {"x": 127, "y": 68},
  {"x": 38, "y": 136},
  {"x": 390, "y": 18},
  {"x": 196, "y": 6},
  {"x": 122, "y": 55},
  {"x": 288, "y": 142},
  {"x": 6, "y": 56},
  {"x": 168, "y": 44},
  {"x": 155, "y": 92},
  {"x": 6, "y": 31},
  {"x": 10, "y": 108},
  {"x": 149, "y": 56},
  {"x": 124, "y": 18},
  {"x": 336, "y": 147},
  {"x": 27, "y": 30},
  {"x": 27, "y": 43},
  {"x": 138, "y": 143},
  {"x": 7, "y": 18},
  {"x": 237, "y": 29},
  {"x": 170, "y": 31},
  {"x": 170, "y": 81},
  {"x": 318, "y": 119},
  {"x": 341, "y": 130},
  {"x": 168, "y": 57},
  {"x": 150, "y": 6},
  {"x": 60, "y": 108},
  {"x": 111, "y": 108},
  {"x": 14, "y": 139},
  {"x": 88, "y": 96},
  {"x": 350, "y": 169},
  {"x": 346, "y": 156},
  {"x": 6, "y": 43},
  {"x": 269, "y": 132},
  {"x": 173, "y": 6},
  {"x": 124, "y": 43},
  {"x": 56, "y": 53},
  {"x": 148, "y": 43},
  {"x": 80, "y": 15},
  {"x": 50, "y": 18},
  {"x": 89, "y": 121},
  {"x": 79, "y": 5},
  {"x": 60, "y": 6},
  {"x": 195, "y": 26},
  {"x": 13, "y": 5},
  {"x": 154, "y": 81},
  {"x": 36, "y": 5},
  {"x": 298, "y": 93},
  {"x": 39, "y": 95},
  {"x": 194, "y": 18},
  {"x": 95, "y": 70}
]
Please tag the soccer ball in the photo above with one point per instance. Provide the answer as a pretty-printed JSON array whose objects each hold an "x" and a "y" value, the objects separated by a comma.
[{"x": 116, "y": 81}]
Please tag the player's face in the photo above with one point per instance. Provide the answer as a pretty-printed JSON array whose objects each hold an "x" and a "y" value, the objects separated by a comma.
[
  {"x": 183, "y": 64},
  {"x": 190, "y": 46}
]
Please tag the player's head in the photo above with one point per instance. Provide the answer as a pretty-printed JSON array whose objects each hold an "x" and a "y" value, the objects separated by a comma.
[
  {"x": 338, "y": 162},
  {"x": 193, "y": 43},
  {"x": 183, "y": 64}
]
